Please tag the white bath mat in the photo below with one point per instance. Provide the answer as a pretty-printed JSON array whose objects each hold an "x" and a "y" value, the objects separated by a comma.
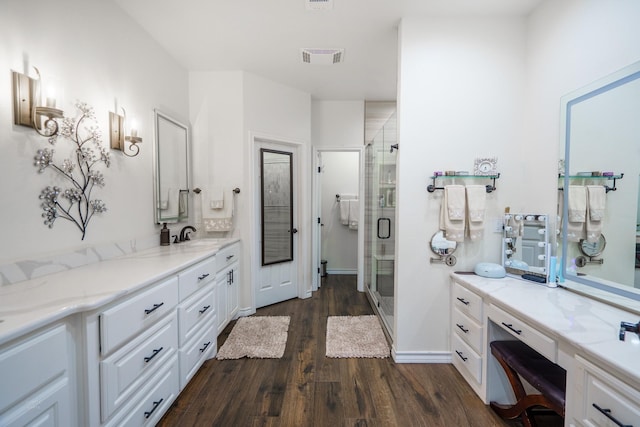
[
  {"x": 355, "y": 336},
  {"x": 257, "y": 337}
]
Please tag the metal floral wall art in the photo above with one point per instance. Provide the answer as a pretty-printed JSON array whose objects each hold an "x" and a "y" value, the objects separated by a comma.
[{"x": 80, "y": 171}]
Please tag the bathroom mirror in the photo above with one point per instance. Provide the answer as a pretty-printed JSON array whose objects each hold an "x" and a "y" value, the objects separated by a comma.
[
  {"x": 171, "y": 167},
  {"x": 601, "y": 131},
  {"x": 276, "y": 172},
  {"x": 525, "y": 243},
  {"x": 593, "y": 249},
  {"x": 441, "y": 246}
]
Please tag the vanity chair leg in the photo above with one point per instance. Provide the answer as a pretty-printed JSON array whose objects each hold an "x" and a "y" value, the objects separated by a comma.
[
  {"x": 519, "y": 360},
  {"x": 511, "y": 412}
]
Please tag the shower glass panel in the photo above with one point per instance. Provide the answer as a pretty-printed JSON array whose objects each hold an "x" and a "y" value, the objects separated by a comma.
[{"x": 380, "y": 217}]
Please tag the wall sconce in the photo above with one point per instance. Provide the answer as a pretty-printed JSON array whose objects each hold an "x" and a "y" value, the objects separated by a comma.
[
  {"x": 27, "y": 110},
  {"x": 118, "y": 137}
]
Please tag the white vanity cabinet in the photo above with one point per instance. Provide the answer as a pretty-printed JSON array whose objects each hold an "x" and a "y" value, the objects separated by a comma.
[
  {"x": 227, "y": 284},
  {"x": 196, "y": 318},
  {"x": 602, "y": 399},
  {"x": 37, "y": 379},
  {"x": 132, "y": 357},
  {"x": 467, "y": 336}
]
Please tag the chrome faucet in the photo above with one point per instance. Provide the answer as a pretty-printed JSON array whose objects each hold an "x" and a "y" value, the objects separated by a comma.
[
  {"x": 184, "y": 233},
  {"x": 628, "y": 327}
]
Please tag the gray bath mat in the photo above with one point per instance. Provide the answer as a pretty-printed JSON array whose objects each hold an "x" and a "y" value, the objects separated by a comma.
[
  {"x": 355, "y": 336},
  {"x": 257, "y": 337}
]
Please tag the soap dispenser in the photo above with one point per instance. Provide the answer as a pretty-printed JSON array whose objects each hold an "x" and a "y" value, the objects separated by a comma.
[{"x": 164, "y": 235}]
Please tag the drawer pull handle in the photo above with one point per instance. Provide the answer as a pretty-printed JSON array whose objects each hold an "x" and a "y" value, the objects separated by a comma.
[
  {"x": 155, "y": 307},
  {"x": 607, "y": 413},
  {"x": 147, "y": 414},
  {"x": 205, "y": 346},
  {"x": 462, "y": 300},
  {"x": 464, "y": 359},
  {"x": 462, "y": 328},
  {"x": 511, "y": 328},
  {"x": 155, "y": 353},
  {"x": 229, "y": 257},
  {"x": 205, "y": 308},
  {"x": 204, "y": 276}
]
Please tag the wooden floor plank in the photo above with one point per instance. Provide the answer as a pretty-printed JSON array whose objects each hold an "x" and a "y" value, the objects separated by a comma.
[{"x": 306, "y": 388}]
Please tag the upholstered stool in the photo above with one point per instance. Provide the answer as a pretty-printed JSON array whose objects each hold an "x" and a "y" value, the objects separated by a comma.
[{"x": 549, "y": 379}]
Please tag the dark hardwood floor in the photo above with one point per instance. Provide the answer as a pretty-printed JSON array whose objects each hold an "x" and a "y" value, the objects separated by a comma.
[{"x": 305, "y": 388}]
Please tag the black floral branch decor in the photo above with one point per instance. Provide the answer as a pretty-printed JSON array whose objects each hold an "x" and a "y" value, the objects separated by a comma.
[{"x": 79, "y": 171}]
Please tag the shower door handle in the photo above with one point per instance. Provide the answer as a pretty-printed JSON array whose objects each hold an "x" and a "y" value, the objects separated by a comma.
[{"x": 380, "y": 222}]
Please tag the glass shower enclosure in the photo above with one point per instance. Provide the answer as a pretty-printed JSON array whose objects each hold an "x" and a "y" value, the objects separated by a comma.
[{"x": 380, "y": 216}]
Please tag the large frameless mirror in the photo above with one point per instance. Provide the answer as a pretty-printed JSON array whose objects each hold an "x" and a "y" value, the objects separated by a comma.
[
  {"x": 276, "y": 171},
  {"x": 172, "y": 161},
  {"x": 602, "y": 130}
]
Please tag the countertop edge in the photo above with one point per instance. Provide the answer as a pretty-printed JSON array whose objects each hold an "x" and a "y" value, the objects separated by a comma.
[{"x": 41, "y": 317}]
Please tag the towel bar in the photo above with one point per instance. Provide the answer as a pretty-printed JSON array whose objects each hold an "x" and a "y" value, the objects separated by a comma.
[{"x": 490, "y": 187}]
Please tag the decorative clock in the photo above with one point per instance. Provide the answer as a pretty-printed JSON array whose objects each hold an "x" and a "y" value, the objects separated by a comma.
[{"x": 486, "y": 166}]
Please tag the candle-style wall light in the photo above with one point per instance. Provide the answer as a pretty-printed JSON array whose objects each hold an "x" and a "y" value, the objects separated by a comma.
[
  {"x": 27, "y": 108},
  {"x": 117, "y": 134}
]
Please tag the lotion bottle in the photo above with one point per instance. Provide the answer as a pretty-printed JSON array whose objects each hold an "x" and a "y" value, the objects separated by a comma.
[{"x": 164, "y": 235}]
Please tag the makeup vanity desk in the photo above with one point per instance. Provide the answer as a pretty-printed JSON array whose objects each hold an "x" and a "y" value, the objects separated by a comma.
[{"x": 578, "y": 333}]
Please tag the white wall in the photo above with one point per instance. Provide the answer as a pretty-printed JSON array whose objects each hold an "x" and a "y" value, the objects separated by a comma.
[
  {"x": 228, "y": 108},
  {"x": 461, "y": 91},
  {"x": 340, "y": 175},
  {"x": 489, "y": 87},
  {"x": 91, "y": 51},
  {"x": 337, "y": 123}
]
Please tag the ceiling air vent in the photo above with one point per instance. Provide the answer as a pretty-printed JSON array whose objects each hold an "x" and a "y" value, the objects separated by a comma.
[
  {"x": 322, "y": 56},
  {"x": 319, "y": 4}
]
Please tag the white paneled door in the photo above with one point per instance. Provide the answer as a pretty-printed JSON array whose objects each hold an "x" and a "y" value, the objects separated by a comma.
[{"x": 276, "y": 278}]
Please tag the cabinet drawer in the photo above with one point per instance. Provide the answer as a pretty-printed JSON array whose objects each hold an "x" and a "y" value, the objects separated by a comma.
[
  {"x": 467, "y": 302},
  {"x": 611, "y": 396},
  {"x": 196, "y": 277},
  {"x": 468, "y": 330},
  {"x": 466, "y": 360},
  {"x": 124, "y": 372},
  {"x": 519, "y": 329},
  {"x": 120, "y": 323},
  {"x": 196, "y": 351},
  {"x": 50, "y": 406},
  {"x": 227, "y": 256},
  {"x": 194, "y": 311},
  {"x": 30, "y": 352},
  {"x": 148, "y": 406}
]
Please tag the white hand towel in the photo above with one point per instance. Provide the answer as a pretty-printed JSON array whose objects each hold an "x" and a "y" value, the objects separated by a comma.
[
  {"x": 216, "y": 219},
  {"x": 476, "y": 201},
  {"x": 343, "y": 205},
  {"x": 596, "y": 200},
  {"x": 216, "y": 198},
  {"x": 172, "y": 204},
  {"x": 577, "y": 203},
  {"x": 577, "y": 212},
  {"x": 452, "y": 212},
  {"x": 354, "y": 213}
]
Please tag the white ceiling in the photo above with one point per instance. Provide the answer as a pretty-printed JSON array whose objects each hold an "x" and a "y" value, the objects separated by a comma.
[{"x": 265, "y": 37}]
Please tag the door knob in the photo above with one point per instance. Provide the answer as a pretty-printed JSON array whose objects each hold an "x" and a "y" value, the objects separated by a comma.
[{"x": 294, "y": 231}]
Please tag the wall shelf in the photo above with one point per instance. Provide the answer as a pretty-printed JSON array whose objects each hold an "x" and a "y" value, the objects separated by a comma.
[
  {"x": 490, "y": 187},
  {"x": 596, "y": 178}
]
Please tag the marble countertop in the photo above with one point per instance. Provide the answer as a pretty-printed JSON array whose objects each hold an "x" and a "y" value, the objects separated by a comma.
[
  {"x": 588, "y": 325},
  {"x": 30, "y": 304}
]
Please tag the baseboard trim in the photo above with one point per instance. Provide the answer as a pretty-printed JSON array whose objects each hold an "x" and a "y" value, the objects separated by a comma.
[
  {"x": 245, "y": 312},
  {"x": 421, "y": 356}
]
